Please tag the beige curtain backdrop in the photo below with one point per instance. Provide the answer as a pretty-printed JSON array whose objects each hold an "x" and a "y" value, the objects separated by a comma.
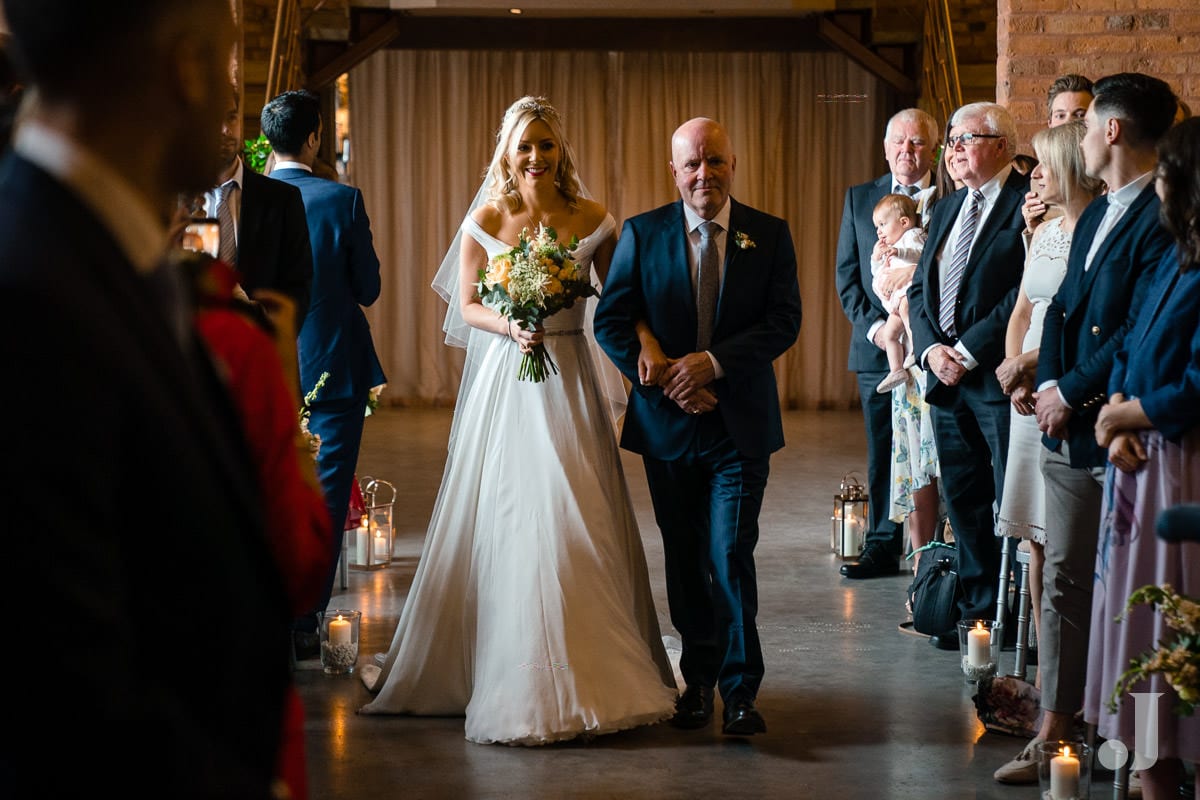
[{"x": 423, "y": 123}]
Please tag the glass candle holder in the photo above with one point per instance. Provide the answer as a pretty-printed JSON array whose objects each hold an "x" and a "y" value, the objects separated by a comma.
[
  {"x": 339, "y": 640},
  {"x": 1064, "y": 770},
  {"x": 979, "y": 643}
]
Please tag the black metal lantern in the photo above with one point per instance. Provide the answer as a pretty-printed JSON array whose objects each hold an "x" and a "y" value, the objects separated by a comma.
[{"x": 848, "y": 525}]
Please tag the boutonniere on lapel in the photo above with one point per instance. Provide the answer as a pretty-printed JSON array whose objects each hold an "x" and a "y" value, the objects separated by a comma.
[{"x": 743, "y": 240}]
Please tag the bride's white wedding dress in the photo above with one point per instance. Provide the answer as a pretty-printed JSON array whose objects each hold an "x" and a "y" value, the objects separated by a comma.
[{"x": 531, "y": 611}]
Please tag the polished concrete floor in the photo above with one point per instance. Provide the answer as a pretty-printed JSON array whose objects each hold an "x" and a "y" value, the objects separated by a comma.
[{"x": 855, "y": 709}]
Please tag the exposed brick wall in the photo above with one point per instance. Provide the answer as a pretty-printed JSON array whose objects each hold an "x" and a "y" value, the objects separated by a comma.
[{"x": 1038, "y": 40}]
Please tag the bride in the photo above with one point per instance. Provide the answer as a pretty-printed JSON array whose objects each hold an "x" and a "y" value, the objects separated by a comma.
[{"x": 530, "y": 611}]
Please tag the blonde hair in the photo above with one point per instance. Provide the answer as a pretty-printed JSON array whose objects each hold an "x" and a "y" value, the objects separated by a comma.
[
  {"x": 1058, "y": 149},
  {"x": 501, "y": 182}
]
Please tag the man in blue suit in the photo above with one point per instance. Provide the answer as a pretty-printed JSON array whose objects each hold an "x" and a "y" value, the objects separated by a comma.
[
  {"x": 1116, "y": 245},
  {"x": 959, "y": 304},
  {"x": 714, "y": 282},
  {"x": 335, "y": 338},
  {"x": 121, "y": 439},
  {"x": 909, "y": 143}
]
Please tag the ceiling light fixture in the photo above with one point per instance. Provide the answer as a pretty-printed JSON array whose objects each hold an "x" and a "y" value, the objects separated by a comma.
[{"x": 514, "y": 11}]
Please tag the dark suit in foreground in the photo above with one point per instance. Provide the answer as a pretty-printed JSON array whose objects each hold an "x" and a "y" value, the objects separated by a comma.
[{"x": 135, "y": 522}]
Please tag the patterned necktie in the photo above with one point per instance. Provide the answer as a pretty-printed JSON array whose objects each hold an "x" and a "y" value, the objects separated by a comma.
[
  {"x": 958, "y": 263},
  {"x": 228, "y": 251},
  {"x": 910, "y": 191},
  {"x": 708, "y": 283}
]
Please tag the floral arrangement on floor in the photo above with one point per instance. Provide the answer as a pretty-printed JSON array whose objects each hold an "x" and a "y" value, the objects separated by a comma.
[
  {"x": 1177, "y": 660},
  {"x": 533, "y": 280},
  {"x": 314, "y": 440}
]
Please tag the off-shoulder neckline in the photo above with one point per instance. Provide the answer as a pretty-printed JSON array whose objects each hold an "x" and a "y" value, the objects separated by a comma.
[{"x": 477, "y": 230}]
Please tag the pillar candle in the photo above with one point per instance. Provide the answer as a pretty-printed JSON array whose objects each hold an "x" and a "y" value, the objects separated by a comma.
[
  {"x": 381, "y": 548},
  {"x": 339, "y": 631},
  {"x": 361, "y": 543},
  {"x": 1064, "y": 776},
  {"x": 979, "y": 646}
]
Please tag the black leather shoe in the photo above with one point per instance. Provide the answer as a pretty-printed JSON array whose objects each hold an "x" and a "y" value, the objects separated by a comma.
[
  {"x": 875, "y": 562},
  {"x": 947, "y": 640},
  {"x": 742, "y": 719},
  {"x": 694, "y": 708}
]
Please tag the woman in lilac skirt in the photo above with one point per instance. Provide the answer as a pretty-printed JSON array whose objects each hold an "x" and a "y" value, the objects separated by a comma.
[{"x": 1151, "y": 427}]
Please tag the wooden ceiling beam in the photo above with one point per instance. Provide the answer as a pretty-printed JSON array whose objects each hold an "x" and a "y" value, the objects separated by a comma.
[
  {"x": 376, "y": 39},
  {"x": 862, "y": 55}
]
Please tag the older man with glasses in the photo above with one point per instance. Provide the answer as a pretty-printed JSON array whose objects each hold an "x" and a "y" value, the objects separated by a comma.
[{"x": 960, "y": 301}]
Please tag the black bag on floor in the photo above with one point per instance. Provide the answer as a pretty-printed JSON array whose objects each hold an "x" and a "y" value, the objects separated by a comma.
[{"x": 934, "y": 592}]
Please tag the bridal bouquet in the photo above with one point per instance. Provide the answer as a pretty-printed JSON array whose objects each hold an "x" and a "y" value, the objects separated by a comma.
[
  {"x": 313, "y": 439},
  {"x": 1178, "y": 661},
  {"x": 533, "y": 280}
]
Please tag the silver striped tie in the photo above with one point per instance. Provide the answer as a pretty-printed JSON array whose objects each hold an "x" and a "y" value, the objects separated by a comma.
[{"x": 958, "y": 263}]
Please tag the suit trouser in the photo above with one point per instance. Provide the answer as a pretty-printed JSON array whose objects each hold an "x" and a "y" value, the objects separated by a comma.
[
  {"x": 877, "y": 416},
  {"x": 1073, "y": 500},
  {"x": 706, "y": 503},
  {"x": 971, "y": 434},
  {"x": 339, "y": 423}
]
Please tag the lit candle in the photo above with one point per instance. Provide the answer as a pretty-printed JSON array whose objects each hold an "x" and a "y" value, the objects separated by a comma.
[
  {"x": 1064, "y": 776},
  {"x": 339, "y": 631},
  {"x": 361, "y": 543},
  {"x": 851, "y": 534},
  {"x": 979, "y": 646},
  {"x": 381, "y": 548}
]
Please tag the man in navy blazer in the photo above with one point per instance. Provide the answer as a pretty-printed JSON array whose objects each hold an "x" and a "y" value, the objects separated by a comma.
[
  {"x": 271, "y": 248},
  {"x": 959, "y": 304},
  {"x": 909, "y": 143},
  {"x": 123, "y": 448},
  {"x": 706, "y": 427},
  {"x": 1116, "y": 245},
  {"x": 336, "y": 338}
]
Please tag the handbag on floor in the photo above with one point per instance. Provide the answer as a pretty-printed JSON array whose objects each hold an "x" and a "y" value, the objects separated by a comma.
[{"x": 935, "y": 591}]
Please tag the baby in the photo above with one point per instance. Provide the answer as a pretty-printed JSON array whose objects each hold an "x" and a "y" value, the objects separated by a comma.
[{"x": 893, "y": 262}]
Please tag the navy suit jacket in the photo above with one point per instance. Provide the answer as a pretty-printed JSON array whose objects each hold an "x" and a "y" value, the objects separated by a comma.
[
  {"x": 1159, "y": 362},
  {"x": 758, "y": 318},
  {"x": 856, "y": 240},
  {"x": 125, "y": 465},
  {"x": 1092, "y": 312},
  {"x": 273, "y": 247},
  {"x": 986, "y": 295},
  {"x": 336, "y": 337}
]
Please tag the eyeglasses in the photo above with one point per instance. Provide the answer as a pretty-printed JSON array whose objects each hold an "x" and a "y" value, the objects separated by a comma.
[{"x": 968, "y": 139}]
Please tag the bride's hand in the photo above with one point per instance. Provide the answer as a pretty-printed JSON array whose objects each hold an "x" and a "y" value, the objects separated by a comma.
[{"x": 526, "y": 340}]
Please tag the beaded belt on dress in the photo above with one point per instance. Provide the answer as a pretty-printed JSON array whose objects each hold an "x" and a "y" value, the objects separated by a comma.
[{"x": 572, "y": 332}]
